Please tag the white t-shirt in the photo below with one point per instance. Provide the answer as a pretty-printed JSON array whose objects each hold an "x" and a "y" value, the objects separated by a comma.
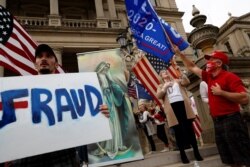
[
  {"x": 204, "y": 91},
  {"x": 174, "y": 93}
]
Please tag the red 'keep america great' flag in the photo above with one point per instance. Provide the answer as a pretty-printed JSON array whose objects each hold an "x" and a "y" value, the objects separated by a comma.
[{"x": 17, "y": 49}]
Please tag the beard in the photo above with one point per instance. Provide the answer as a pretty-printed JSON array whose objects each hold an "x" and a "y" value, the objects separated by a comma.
[{"x": 45, "y": 71}]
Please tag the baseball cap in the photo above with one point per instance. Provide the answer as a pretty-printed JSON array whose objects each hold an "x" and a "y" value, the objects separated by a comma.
[
  {"x": 44, "y": 48},
  {"x": 218, "y": 55}
]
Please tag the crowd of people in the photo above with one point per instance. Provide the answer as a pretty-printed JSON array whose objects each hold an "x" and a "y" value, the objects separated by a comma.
[
  {"x": 222, "y": 90},
  {"x": 225, "y": 94},
  {"x": 175, "y": 111}
]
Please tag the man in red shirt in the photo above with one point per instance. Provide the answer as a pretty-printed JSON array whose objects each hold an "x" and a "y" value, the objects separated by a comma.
[{"x": 225, "y": 93}]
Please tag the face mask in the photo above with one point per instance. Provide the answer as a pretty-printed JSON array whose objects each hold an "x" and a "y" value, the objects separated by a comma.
[{"x": 211, "y": 66}]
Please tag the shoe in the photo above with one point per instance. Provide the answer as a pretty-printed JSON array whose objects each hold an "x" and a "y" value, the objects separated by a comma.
[
  {"x": 184, "y": 158},
  {"x": 150, "y": 152},
  {"x": 198, "y": 156},
  {"x": 166, "y": 149},
  {"x": 84, "y": 165}
]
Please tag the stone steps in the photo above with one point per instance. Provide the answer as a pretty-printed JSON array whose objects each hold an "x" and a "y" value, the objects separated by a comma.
[
  {"x": 172, "y": 158},
  {"x": 211, "y": 161}
]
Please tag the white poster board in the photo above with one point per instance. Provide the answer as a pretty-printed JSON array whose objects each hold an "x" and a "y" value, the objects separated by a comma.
[{"x": 51, "y": 112}]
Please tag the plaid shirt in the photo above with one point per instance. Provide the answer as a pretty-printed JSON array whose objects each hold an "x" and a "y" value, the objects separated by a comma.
[{"x": 62, "y": 158}]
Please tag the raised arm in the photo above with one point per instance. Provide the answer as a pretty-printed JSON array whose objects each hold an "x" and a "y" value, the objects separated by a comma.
[{"x": 188, "y": 64}]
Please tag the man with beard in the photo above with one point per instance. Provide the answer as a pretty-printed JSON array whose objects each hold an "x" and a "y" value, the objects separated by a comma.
[{"x": 46, "y": 63}]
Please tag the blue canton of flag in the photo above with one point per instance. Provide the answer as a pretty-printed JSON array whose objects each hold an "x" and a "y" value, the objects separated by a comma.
[
  {"x": 157, "y": 63},
  {"x": 147, "y": 29},
  {"x": 142, "y": 92}
]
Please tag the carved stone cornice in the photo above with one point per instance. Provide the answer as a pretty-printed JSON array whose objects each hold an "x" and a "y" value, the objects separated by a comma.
[
  {"x": 203, "y": 36},
  {"x": 244, "y": 51},
  {"x": 198, "y": 20},
  {"x": 227, "y": 26},
  {"x": 168, "y": 12}
]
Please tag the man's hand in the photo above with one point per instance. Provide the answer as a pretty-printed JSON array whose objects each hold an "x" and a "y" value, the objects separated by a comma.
[
  {"x": 104, "y": 110},
  {"x": 190, "y": 65},
  {"x": 216, "y": 90}
]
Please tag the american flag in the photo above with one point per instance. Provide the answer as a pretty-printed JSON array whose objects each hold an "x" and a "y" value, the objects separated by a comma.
[
  {"x": 147, "y": 76},
  {"x": 172, "y": 70},
  {"x": 17, "y": 49},
  {"x": 197, "y": 122},
  {"x": 197, "y": 126},
  {"x": 159, "y": 65},
  {"x": 132, "y": 87}
]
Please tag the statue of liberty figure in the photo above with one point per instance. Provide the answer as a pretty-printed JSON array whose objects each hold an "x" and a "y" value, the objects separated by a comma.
[{"x": 114, "y": 97}]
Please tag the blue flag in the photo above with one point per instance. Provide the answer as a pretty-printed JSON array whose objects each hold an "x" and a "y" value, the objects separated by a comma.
[
  {"x": 142, "y": 93},
  {"x": 148, "y": 30}
]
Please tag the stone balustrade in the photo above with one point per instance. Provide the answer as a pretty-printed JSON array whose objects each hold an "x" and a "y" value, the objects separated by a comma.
[
  {"x": 32, "y": 21},
  {"x": 72, "y": 23}
]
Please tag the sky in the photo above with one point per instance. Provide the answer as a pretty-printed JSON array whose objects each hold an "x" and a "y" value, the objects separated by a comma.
[{"x": 215, "y": 10}]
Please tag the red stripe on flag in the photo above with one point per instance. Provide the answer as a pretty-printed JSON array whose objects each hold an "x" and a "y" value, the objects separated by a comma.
[
  {"x": 171, "y": 71},
  {"x": 151, "y": 70},
  {"x": 132, "y": 92},
  {"x": 19, "y": 104},
  {"x": 8, "y": 66},
  {"x": 29, "y": 54},
  {"x": 22, "y": 32},
  {"x": 15, "y": 61},
  {"x": 148, "y": 77},
  {"x": 197, "y": 126}
]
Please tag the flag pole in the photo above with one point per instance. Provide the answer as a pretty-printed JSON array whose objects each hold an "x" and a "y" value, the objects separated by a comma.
[
  {"x": 173, "y": 62},
  {"x": 166, "y": 35}
]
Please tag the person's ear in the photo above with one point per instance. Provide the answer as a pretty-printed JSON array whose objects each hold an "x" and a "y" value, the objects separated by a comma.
[
  {"x": 220, "y": 63},
  {"x": 56, "y": 65}
]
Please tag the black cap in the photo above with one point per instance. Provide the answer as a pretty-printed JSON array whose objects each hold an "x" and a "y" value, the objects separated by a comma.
[{"x": 44, "y": 48}]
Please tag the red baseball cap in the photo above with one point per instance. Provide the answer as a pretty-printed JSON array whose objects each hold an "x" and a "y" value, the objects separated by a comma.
[{"x": 218, "y": 55}]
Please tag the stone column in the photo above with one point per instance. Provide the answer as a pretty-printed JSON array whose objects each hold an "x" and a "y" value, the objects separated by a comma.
[
  {"x": 114, "y": 21},
  {"x": 102, "y": 22},
  {"x": 99, "y": 9},
  {"x": 111, "y": 6},
  {"x": 3, "y": 3},
  {"x": 54, "y": 9},
  {"x": 58, "y": 53},
  {"x": 163, "y": 3},
  {"x": 54, "y": 18}
]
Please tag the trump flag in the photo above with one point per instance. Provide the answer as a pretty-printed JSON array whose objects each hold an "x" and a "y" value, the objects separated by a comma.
[{"x": 150, "y": 31}]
